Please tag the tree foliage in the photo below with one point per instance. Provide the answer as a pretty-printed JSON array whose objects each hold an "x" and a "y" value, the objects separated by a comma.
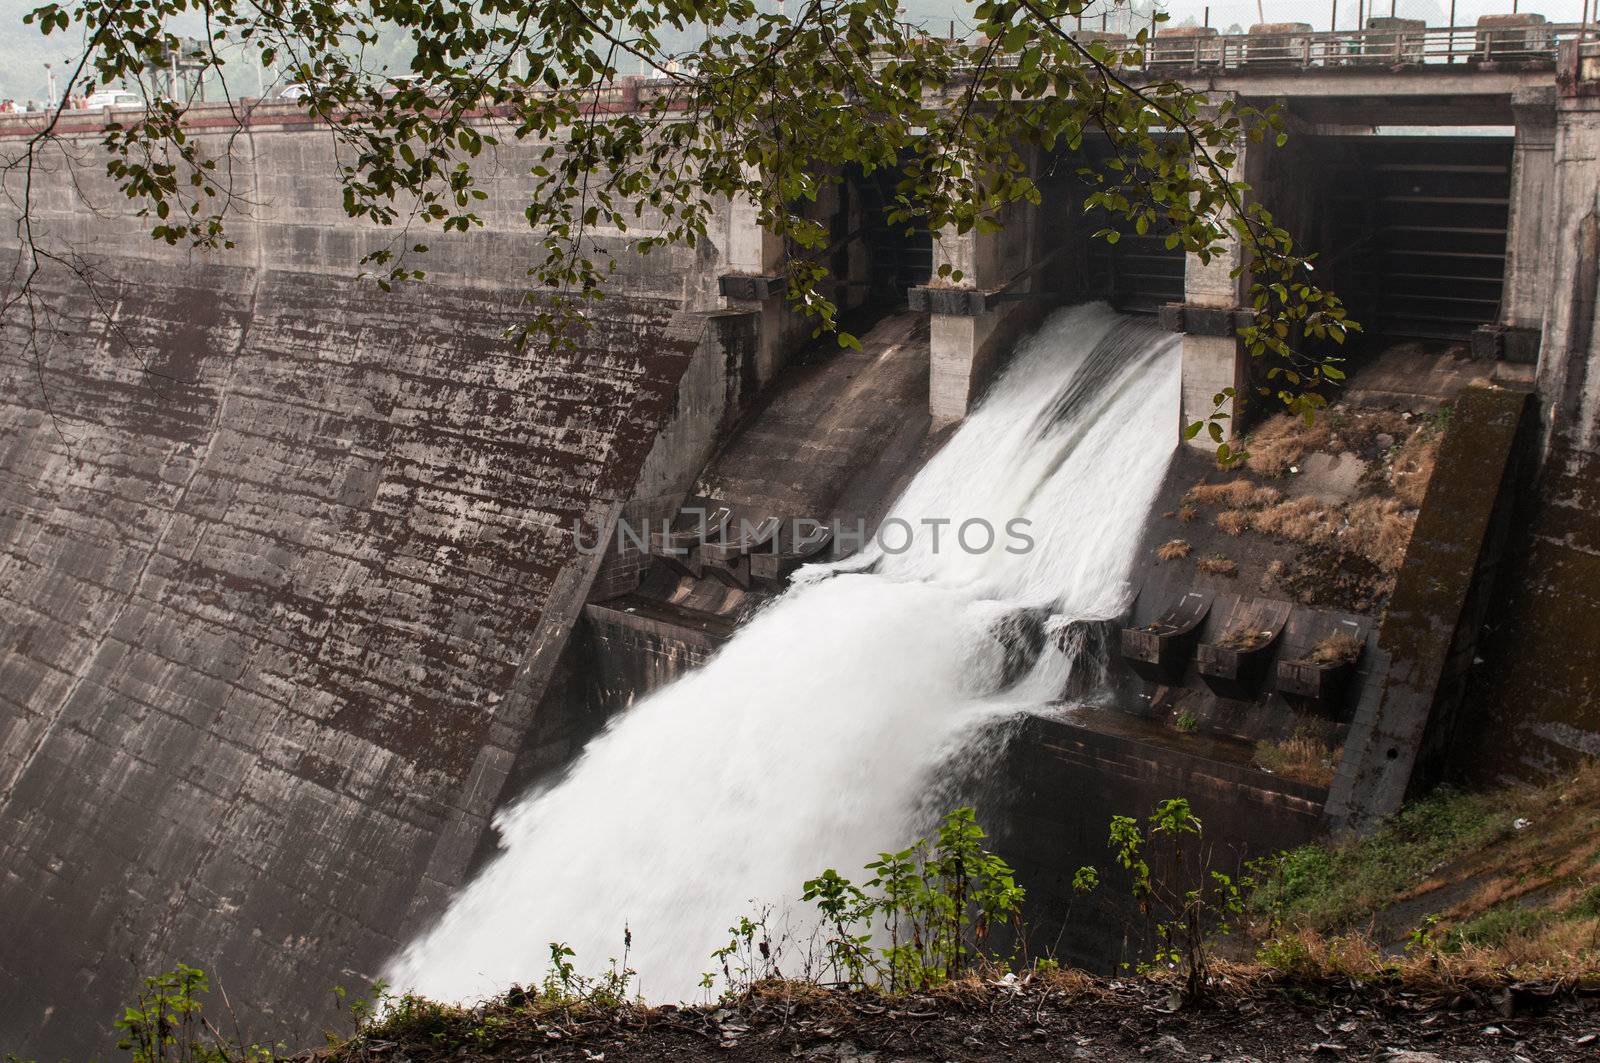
[{"x": 763, "y": 106}]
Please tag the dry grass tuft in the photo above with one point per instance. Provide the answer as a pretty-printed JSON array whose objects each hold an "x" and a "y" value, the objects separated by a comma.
[
  {"x": 1379, "y": 529},
  {"x": 1303, "y": 756},
  {"x": 1227, "y": 493},
  {"x": 1234, "y": 521},
  {"x": 1244, "y": 637},
  {"x": 1265, "y": 495},
  {"x": 1338, "y": 648},
  {"x": 1413, "y": 466},
  {"x": 1173, "y": 550},
  {"x": 1217, "y": 565},
  {"x": 1232, "y": 494},
  {"x": 1303, "y": 520},
  {"x": 1282, "y": 441},
  {"x": 1186, "y": 513}
]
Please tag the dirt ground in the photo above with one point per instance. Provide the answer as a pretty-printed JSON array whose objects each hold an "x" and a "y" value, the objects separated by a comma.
[{"x": 1069, "y": 1019}]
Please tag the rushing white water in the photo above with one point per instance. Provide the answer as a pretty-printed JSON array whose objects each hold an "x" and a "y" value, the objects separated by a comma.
[{"x": 805, "y": 742}]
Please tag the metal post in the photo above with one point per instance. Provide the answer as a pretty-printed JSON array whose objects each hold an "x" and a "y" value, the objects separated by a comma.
[
  {"x": 1452, "y": 46},
  {"x": 1333, "y": 19},
  {"x": 1396, "y": 3},
  {"x": 1206, "y": 21}
]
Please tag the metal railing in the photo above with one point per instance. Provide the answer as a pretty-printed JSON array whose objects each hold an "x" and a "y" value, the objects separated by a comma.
[{"x": 1383, "y": 47}]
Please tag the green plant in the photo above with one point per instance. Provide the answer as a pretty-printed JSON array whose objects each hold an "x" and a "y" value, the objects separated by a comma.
[
  {"x": 924, "y": 917},
  {"x": 1495, "y": 927},
  {"x": 1334, "y": 887},
  {"x": 1186, "y": 722},
  {"x": 1425, "y": 938},
  {"x": 363, "y": 1010},
  {"x": 563, "y": 984},
  {"x": 1189, "y": 902},
  {"x": 750, "y": 955},
  {"x": 166, "y": 1023}
]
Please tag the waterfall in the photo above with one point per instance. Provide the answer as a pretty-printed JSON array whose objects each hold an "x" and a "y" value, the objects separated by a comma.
[{"x": 806, "y": 742}]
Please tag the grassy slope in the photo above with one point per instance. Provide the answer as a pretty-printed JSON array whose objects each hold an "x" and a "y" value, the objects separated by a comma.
[{"x": 1508, "y": 879}]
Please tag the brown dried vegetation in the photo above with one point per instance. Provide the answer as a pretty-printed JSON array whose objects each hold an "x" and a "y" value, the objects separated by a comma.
[
  {"x": 1304, "y": 755},
  {"x": 1172, "y": 550},
  {"x": 1413, "y": 466},
  {"x": 1234, "y": 521},
  {"x": 1337, "y": 648},
  {"x": 1284, "y": 440}
]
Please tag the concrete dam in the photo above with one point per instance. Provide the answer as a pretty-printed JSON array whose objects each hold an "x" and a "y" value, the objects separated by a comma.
[{"x": 323, "y": 633}]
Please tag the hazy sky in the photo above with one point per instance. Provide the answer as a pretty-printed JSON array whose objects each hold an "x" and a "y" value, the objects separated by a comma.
[{"x": 23, "y": 52}]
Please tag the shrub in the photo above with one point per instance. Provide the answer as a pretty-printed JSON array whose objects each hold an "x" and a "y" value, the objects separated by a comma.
[
  {"x": 166, "y": 1024},
  {"x": 1190, "y": 903},
  {"x": 924, "y": 917}
]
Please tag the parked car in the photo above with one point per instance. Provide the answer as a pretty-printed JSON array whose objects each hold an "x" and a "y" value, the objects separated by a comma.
[
  {"x": 99, "y": 101},
  {"x": 296, "y": 91}
]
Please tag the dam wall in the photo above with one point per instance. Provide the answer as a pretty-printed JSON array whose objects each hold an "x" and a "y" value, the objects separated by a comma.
[
  {"x": 286, "y": 565},
  {"x": 1538, "y": 708},
  {"x": 292, "y": 599}
]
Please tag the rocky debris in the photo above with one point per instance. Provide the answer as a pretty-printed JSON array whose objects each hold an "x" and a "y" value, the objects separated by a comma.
[{"x": 1054, "y": 1017}]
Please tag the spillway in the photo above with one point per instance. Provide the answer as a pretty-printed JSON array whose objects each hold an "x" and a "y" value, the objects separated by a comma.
[{"x": 809, "y": 739}]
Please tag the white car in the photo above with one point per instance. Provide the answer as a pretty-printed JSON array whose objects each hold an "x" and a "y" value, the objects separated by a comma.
[
  {"x": 113, "y": 98},
  {"x": 297, "y": 91}
]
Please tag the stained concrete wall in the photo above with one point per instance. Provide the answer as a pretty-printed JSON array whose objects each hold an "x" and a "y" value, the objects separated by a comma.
[
  {"x": 286, "y": 564},
  {"x": 1063, "y": 780},
  {"x": 966, "y": 347},
  {"x": 1454, "y": 573},
  {"x": 1536, "y": 704}
]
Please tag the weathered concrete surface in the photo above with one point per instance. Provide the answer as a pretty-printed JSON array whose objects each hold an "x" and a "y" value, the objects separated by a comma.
[
  {"x": 285, "y": 565},
  {"x": 1530, "y": 253},
  {"x": 1453, "y": 569},
  {"x": 965, "y": 349},
  {"x": 1062, "y": 781},
  {"x": 1537, "y": 700}
]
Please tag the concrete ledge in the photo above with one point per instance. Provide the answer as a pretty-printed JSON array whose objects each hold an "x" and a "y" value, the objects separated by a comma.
[
  {"x": 691, "y": 627},
  {"x": 751, "y": 287},
  {"x": 954, "y": 302},
  {"x": 1204, "y": 320},
  {"x": 1506, "y": 343}
]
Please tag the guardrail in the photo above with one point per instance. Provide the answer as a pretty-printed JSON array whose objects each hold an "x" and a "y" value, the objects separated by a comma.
[{"x": 1184, "y": 48}]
